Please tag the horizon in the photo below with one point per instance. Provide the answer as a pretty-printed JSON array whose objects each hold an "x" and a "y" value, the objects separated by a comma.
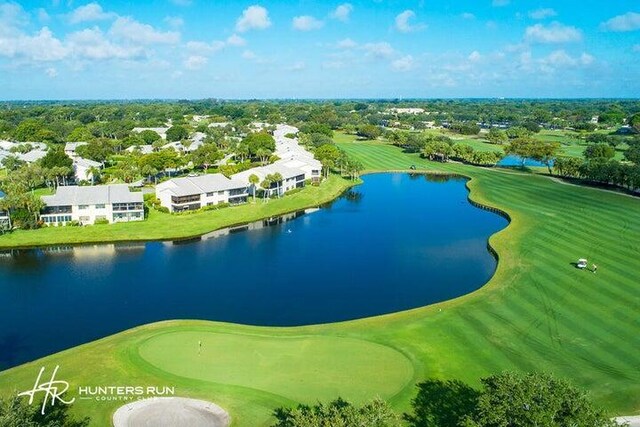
[{"x": 353, "y": 49}]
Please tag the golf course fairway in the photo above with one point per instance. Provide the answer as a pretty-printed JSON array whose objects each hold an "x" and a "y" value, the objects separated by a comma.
[{"x": 538, "y": 313}]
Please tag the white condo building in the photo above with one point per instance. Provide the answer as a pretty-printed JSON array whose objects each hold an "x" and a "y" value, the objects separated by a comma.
[
  {"x": 115, "y": 203},
  {"x": 191, "y": 193}
]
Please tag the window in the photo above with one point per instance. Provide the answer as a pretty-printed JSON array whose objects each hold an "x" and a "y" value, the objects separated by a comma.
[
  {"x": 84, "y": 219},
  {"x": 210, "y": 194},
  {"x": 100, "y": 206},
  {"x": 82, "y": 207},
  {"x": 220, "y": 193}
]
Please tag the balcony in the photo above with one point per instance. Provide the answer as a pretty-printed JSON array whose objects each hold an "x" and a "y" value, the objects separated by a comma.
[
  {"x": 124, "y": 207},
  {"x": 49, "y": 210},
  {"x": 185, "y": 199}
]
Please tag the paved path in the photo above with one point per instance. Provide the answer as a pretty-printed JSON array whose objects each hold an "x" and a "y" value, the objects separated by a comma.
[
  {"x": 171, "y": 412},
  {"x": 632, "y": 420}
]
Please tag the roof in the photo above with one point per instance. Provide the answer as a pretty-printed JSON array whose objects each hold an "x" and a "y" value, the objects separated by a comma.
[
  {"x": 71, "y": 146},
  {"x": 86, "y": 163},
  {"x": 99, "y": 194},
  {"x": 144, "y": 149},
  {"x": 32, "y": 156},
  {"x": 262, "y": 171},
  {"x": 199, "y": 184}
]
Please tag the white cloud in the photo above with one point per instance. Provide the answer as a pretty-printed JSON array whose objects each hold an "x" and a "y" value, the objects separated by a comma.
[
  {"x": 404, "y": 26},
  {"x": 628, "y": 22},
  {"x": 249, "y": 55},
  {"x": 92, "y": 44},
  {"x": 43, "y": 16},
  {"x": 474, "y": 56},
  {"x": 586, "y": 59},
  {"x": 346, "y": 44},
  {"x": 12, "y": 16},
  {"x": 542, "y": 13},
  {"x": 236, "y": 40},
  {"x": 89, "y": 12},
  {"x": 379, "y": 50},
  {"x": 195, "y": 62},
  {"x": 559, "y": 58},
  {"x": 342, "y": 12},
  {"x": 41, "y": 47},
  {"x": 405, "y": 63},
  {"x": 205, "y": 48},
  {"x": 253, "y": 18},
  {"x": 174, "y": 21},
  {"x": 553, "y": 33},
  {"x": 51, "y": 72},
  {"x": 298, "y": 66},
  {"x": 131, "y": 30},
  {"x": 500, "y": 3},
  {"x": 306, "y": 23}
]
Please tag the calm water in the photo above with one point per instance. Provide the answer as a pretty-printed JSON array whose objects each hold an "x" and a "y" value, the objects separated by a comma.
[
  {"x": 517, "y": 161},
  {"x": 393, "y": 243}
]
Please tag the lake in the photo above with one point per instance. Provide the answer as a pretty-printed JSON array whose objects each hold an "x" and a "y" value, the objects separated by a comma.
[
  {"x": 393, "y": 243},
  {"x": 517, "y": 161}
]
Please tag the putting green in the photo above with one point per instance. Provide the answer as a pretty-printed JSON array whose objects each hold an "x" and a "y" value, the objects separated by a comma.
[{"x": 306, "y": 368}]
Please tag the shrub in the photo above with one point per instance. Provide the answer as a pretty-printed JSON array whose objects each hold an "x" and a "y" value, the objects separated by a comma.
[{"x": 101, "y": 221}]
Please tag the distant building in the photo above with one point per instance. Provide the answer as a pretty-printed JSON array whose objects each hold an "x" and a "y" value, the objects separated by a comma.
[
  {"x": 32, "y": 156},
  {"x": 291, "y": 178},
  {"x": 406, "y": 110},
  {"x": 160, "y": 131},
  {"x": 82, "y": 167},
  {"x": 143, "y": 149},
  {"x": 191, "y": 193},
  {"x": 71, "y": 147},
  {"x": 115, "y": 203},
  {"x": 4, "y": 215}
]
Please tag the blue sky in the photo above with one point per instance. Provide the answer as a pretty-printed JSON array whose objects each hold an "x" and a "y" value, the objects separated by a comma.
[{"x": 70, "y": 49}]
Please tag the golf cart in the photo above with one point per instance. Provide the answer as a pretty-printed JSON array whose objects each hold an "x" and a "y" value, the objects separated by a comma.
[{"x": 582, "y": 263}]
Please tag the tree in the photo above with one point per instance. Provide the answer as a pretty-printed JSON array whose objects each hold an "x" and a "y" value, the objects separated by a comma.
[
  {"x": 599, "y": 151},
  {"x": 634, "y": 121},
  {"x": 632, "y": 154},
  {"x": 254, "y": 180},
  {"x": 277, "y": 178},
  {"x": 534, "y": 399},
  {"x": 266, "y": 185},
  {"x": 95, "y": 173},
  {"x": 328, "y": 156},
  {"x": 437, "y": 150},
  {"x": 177, "y": 133},
  {"x": 28, "y": 130},
  {"x": 206, "y": 155},
  {"x": 522, "y": 147},
  {"x": 442, "y": 404},
  {"x": 150, "y": 136},
  {"x": 338, "y": 413},
  {"x": 99, "y": 150},
  {"x": 567, "y": 166},
  {"x": 56, "y": 157},
  {"x": 321, "y": 128},
  {"x": 505, "y": 400},
  {"x": 545, "y": 152},
  {"x": 497, "y": 136},
  {"x": 369, "y": 132},
  {"x": 80, "y": 134},
  {"x": 14, "y": 412},
  {"x": 12, "y": 163},
  {"x": 260, "y": 142}
]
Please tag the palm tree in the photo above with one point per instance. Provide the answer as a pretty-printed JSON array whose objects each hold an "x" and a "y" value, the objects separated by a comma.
[
  {"x": 277, "y": 177},
  {"x": 94, "y": 172},
  {"x": 266, "y": 184},
  {"x": 254, "y": 180}
]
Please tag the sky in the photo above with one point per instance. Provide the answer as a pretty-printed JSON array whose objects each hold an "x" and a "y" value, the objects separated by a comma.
[{"x": 194, "y": 49}]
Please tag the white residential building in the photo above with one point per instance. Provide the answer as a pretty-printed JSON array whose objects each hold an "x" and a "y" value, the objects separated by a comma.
[
  {"x": 82, "y": 168},
  {"x": 115, "y": 203},
  {"x": 143, "y": 149},
  {"x": 160, "y": 131},
  {"x": 4, "y": 215},
  {"x": 71, "y": 147},
  {"x": 191, "y": 193},
  {"x": 291, "y": 178}
]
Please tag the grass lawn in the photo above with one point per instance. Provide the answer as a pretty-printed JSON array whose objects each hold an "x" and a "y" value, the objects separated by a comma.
[
  {"x": 161, "y": 226},
  {"x": 538, "y": 312}
]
